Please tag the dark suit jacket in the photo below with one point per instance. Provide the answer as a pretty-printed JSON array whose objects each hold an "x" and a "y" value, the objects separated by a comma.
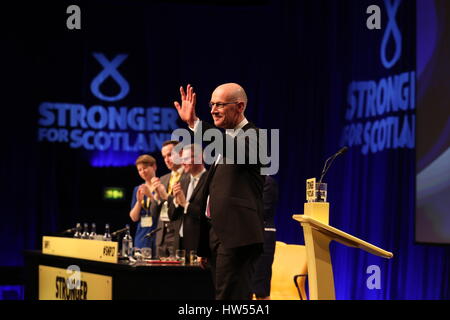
[
  {"x": 270, "y": 198},
  {"x": 191, "y": 220},
  {"x": 235, "y": 192},
  {"x": 155, "y": 210}
]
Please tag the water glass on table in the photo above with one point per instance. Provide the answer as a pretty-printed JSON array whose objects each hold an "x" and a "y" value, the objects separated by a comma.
[
  {"x": 180, "y": 255},
  {"x": 146, "y": 253},
  {"x": 171, "y": 256},
  {"x": 193, "y": 258}
]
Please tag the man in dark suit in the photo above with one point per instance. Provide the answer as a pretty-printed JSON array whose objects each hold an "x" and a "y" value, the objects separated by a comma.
[
  {"x": 232, "y": 195},
  {"x": 168, "y": 234},
  {"x": 186, "y": 205},
  {"x": 263, "y": 267}
]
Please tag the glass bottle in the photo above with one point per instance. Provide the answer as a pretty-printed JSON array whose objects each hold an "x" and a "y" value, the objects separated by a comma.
[
  {"x": 127, "y": 243},
  {"x": 93, "y": 233},
  {"x": 85, "y": 234},
  {"x": 107, "y": 235},
  {"x": 77, "y": 231}
]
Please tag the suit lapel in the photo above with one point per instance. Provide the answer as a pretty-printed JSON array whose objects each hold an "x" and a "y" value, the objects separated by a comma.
[
  {"x": 184, "y": 181},
  {"x": 214, "y": 166},
  {"x": 199, "y": 185},
  {"x": 248, "y": 126},
  {"x": 165, "y": 180}
]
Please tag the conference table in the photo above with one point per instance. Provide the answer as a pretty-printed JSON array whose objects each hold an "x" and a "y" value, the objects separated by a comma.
[{"x": 49, "y": 276}]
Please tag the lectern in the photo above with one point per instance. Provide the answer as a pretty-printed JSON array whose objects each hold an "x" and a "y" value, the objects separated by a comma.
[{"x": 318, "y": 235}]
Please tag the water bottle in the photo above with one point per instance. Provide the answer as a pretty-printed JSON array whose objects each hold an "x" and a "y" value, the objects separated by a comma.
[
  {"x": 127, "y": 243},
  {"x": 93, "y": 233},
  {"x": 78, "y": 231},
  {"x": 85, "y": 234},
  {"x": 107, "y": 235}
]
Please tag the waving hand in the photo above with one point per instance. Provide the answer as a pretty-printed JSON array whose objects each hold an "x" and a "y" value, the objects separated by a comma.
[{"x": 186, "y": 110}]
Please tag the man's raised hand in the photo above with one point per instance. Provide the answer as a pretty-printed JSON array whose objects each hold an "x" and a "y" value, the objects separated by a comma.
[{"x": 186, "y": 110}]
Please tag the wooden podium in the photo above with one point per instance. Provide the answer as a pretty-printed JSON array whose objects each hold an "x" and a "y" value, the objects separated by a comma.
[{"x": 318, "y": 235}]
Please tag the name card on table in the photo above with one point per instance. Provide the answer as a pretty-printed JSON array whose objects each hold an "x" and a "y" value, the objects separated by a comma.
[{"x": 96, "y": 250}]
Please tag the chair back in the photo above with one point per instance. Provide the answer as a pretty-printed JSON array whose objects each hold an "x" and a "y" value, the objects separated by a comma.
[{"x": 289, "y": 261}]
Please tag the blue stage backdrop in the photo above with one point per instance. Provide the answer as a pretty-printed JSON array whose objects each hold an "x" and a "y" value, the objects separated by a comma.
[{"x": 80, "y": 105}]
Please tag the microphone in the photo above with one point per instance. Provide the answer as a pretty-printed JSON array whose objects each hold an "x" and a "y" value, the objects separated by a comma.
[
  {"x": 116, "y": 233},
  {"x": 331, "y": 159},
  {"x": 71, "y": 230},
  {"x": 151, "y": 233}
]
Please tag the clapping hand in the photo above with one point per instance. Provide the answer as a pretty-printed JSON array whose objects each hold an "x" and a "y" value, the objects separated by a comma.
[
  {"x": 140, "y": 194},
  {"x": 143, "y": 191},
  {"x": 179, "y": 194},
  {"x": 160, "y": 190}
]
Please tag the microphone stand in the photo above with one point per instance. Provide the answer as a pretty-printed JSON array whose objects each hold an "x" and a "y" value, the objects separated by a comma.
[
  {"x": 327, "y": 166},
  {"x": 152, "y": 233}
]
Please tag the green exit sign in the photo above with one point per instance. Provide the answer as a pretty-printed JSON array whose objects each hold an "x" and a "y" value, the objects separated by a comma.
[{"x": 113, "y": 193}]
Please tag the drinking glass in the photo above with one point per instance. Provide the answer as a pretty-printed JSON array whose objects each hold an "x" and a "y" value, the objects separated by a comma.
[
  {"x": 180, "y": 255},
  {"x": 193, "y": 259},
  {"x": 146, "y": 253}
]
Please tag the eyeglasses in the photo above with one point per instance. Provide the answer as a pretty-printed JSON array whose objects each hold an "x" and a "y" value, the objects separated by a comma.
[{"x": 220, "y": 105}]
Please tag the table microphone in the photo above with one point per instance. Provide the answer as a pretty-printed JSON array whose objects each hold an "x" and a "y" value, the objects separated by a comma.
[
  {"x": 71, "y": 230},
  {"x": 116, "y": 233},
  {"x": 151, "y": 233},
  {"x": 326, "y": 167}
]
